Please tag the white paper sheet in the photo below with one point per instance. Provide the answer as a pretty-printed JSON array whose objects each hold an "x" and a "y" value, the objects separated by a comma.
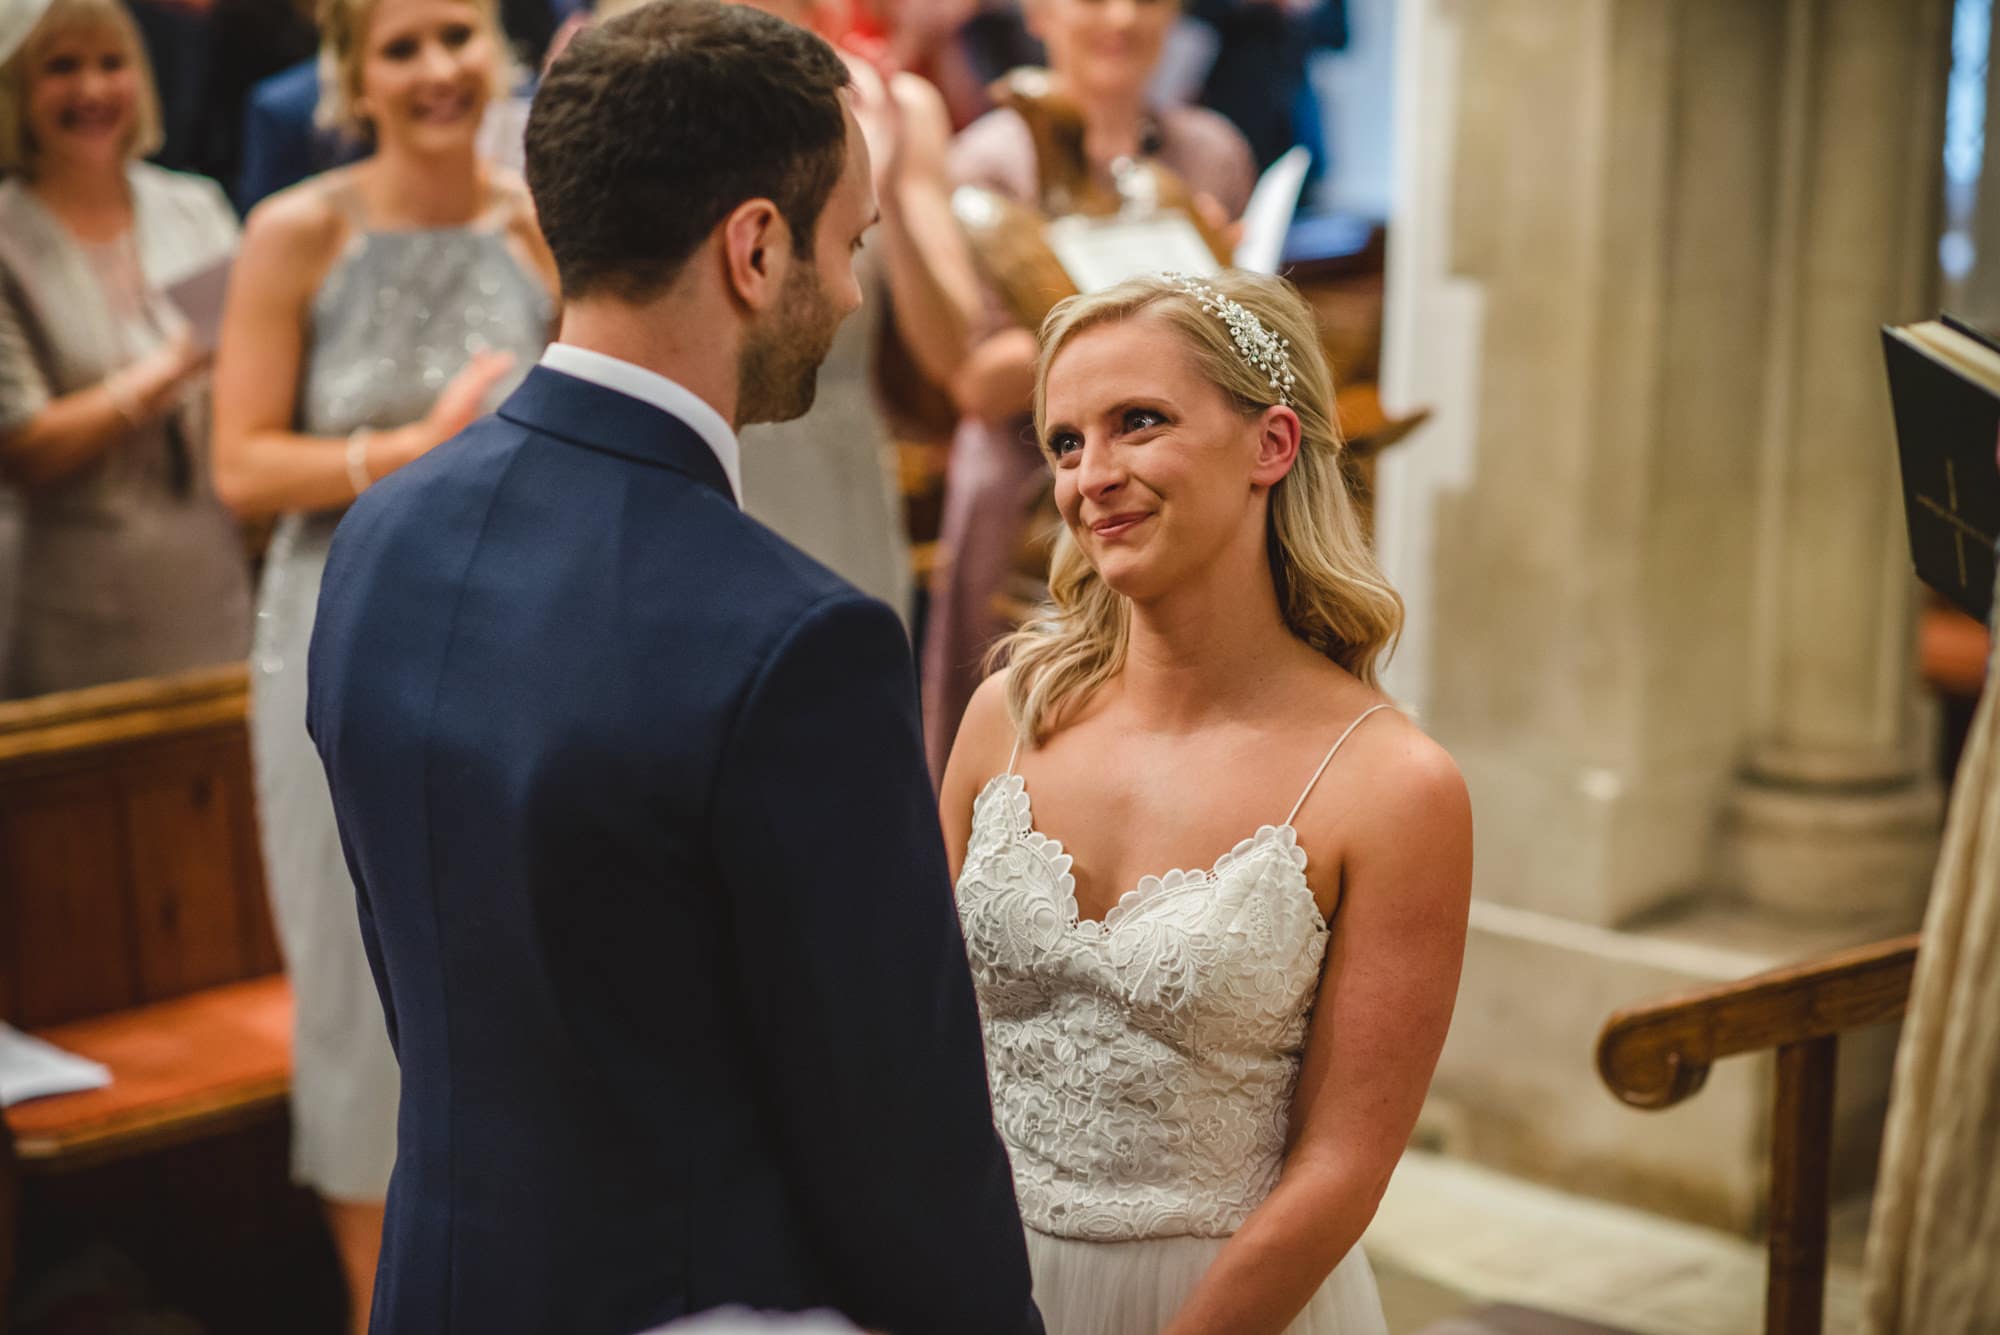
[
  {"x": 32, "y": 1069},
  {"x": 1268, "y": 215},
  {"x": 199, "y": 296},
  {"x": 1099, "y": 252}
]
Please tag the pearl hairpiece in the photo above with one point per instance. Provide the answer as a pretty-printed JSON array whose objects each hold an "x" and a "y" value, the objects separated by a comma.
[{"x": 1266, "y": 351}]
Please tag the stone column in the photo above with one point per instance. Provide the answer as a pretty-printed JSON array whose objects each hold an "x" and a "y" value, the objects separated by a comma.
[
  {"x": 1651, "y": 544},
  {"x": 1982, "y": 290},
  {"x": 1835, "y": 815}
]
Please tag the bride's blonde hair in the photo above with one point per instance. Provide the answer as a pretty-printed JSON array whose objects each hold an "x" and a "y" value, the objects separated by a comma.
[{"x": 1332, "y": 594}]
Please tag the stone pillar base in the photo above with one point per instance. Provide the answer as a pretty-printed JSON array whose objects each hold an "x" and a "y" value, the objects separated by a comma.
[{"x": 1827, "y": 855}]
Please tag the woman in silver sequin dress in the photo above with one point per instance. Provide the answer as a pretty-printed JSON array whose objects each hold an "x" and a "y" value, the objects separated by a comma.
[{"x": 374, "y": 312}]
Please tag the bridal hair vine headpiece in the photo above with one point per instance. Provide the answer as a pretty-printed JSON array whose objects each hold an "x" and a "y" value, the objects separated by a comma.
[{"x": 1265, "y": 350}]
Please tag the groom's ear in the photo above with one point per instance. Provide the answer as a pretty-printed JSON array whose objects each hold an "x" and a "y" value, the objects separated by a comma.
[{"x": 756, "y": 250}]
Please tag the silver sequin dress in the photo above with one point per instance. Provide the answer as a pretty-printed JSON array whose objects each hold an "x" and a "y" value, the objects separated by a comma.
[{"x": 398, "y": 315}]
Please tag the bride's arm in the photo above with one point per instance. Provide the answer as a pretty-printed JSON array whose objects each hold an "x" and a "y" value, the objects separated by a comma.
[{"x": 1385, "y": 1000}]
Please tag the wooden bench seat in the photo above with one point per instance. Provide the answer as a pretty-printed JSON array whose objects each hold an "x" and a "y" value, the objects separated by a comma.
[
  {"x": 134, "y": 930},
  {"x": 201, "y": 1064}
]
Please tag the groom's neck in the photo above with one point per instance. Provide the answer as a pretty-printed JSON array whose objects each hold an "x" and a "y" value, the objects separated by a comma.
[{"x": 672, "y": 335}]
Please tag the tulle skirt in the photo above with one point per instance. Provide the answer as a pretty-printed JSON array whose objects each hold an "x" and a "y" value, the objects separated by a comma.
[{"x": 1134, "y": 1288}]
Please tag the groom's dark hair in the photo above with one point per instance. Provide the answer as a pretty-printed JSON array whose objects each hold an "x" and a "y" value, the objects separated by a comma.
[{"x": 653, "y": 126}]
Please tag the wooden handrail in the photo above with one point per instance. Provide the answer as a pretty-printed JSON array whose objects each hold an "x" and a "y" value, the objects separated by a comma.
[{"x": 1655, "y": 1055}]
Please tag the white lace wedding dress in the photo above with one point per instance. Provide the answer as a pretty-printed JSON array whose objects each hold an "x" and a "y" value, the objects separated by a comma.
[{"x": 1143, "y": 1066}]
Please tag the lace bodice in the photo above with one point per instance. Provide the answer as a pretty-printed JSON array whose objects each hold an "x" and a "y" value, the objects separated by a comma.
[{"x": 1142, "y": 1067}]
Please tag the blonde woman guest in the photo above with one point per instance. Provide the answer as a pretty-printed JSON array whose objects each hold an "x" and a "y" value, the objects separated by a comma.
[
  {"x": 128, "y": 566},
  {"x": 1204, "y": 1078},
  {"x": 1103, "y": 55},
  {"x": 374, "y": 312}
]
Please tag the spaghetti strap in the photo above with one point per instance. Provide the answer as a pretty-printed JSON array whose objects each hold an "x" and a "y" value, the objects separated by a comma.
[
  {"x": 1314, "y": 781},
  {"x": 1014, "y": 755}
]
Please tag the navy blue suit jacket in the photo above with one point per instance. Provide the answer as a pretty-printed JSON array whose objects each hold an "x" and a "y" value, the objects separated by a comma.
[
  {"x": 650, "y": 875},
  {"x": 281, "y": 144}
]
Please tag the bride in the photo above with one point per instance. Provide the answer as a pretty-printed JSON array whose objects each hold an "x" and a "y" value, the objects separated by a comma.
[{"x": 1204, "y": 1077}]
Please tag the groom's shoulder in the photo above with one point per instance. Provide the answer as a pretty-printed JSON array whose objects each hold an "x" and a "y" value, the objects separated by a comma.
[
  {"x": 458, "y": 475},
  {"x": 774, "y": 586}
]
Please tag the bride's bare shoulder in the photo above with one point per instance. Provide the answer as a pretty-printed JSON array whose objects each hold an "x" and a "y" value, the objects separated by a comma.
[
  {"x": 1387, "y": 744},
  {"x": 1410, "y": 788},
  {"x": 1401, "y": 748},
  {"x": 984, "y": 742}
]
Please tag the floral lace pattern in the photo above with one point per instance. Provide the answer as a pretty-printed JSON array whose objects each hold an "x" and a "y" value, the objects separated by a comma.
[{"x": 1142, "y": 1067}]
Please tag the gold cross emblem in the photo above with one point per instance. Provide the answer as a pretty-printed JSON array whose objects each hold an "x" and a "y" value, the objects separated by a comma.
[{"x": 1960, "y": 529}]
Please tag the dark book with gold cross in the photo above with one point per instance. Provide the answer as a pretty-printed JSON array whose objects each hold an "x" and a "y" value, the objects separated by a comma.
[{"x": 1944, "y": 380}]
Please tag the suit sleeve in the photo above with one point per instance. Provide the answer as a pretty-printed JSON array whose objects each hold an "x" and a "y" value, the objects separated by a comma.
[
  {"x": 371, "y": 944},
  {"x": 855, "y": 978},
  {"x": 325, "y": 734}
]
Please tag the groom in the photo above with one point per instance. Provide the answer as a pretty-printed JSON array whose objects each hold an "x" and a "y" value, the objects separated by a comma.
[{"x": 633, "y": 793}]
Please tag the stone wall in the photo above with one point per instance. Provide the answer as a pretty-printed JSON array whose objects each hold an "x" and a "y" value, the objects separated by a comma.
[{"x": 1652, "y": 542}]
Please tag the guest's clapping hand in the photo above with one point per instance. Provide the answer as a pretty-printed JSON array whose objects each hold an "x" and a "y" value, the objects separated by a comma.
[
  {"x": 464, "y": 398},
  {"x": 150, "y": 387},
  {"x": 884, "y": 123},
  {"x": 456, "y": 407},
  {"x": 461, "y": 401}
]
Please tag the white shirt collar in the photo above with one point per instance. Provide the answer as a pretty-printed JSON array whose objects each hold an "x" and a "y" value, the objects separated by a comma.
[{"x": 670, "y": 397}]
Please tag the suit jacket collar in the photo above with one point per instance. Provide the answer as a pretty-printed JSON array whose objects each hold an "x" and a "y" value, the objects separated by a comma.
[{"x": 599, "y": 418}]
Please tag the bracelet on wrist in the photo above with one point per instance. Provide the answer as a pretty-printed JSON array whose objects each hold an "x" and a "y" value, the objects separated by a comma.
[{"x": 357, "y": 459}]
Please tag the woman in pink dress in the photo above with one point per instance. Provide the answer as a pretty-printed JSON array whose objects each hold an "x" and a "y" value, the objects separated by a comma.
[{"x": 1102, "y": 54}]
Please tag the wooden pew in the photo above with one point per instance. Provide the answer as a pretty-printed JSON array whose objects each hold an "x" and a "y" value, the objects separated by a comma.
[
  {"x": 10, "y": 1210},
  {"x": 134, "y": 930},
  {"x": 129, "y": 864}
]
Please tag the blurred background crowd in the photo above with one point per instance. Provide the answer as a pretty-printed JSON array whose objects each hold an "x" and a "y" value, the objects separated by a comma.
[
  {"x": 256, "y": 254},
  {"x": 140, "y": 136}
]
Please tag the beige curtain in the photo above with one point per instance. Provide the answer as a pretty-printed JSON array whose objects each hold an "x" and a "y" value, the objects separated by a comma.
[{"x": 1933, "y": 1263}]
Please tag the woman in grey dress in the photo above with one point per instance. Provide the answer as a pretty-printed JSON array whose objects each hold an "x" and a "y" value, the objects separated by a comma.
[
  {"x": 374, "y": 312},
  {"x": 827, "y": 481},
  {"x": 127, "y": 566}
]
